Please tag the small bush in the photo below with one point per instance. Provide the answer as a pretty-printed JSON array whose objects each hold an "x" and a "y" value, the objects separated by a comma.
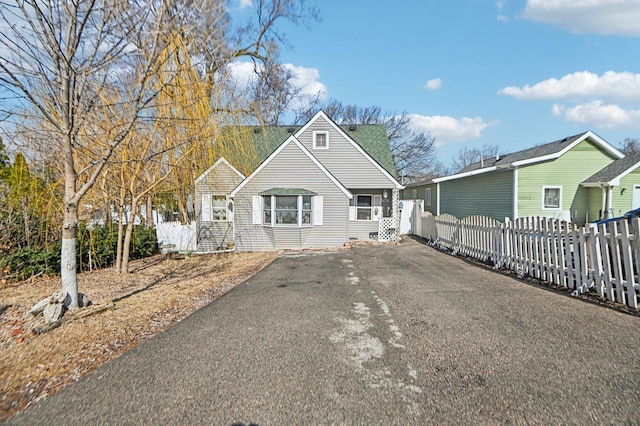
[
  {"x": 100, "y": 241},
  {"x": 28, "y": 262}
]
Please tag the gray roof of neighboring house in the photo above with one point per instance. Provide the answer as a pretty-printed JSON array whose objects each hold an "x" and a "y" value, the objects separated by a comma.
[
  {"x": 614, "y": 170},
  {"x": 536, "y": 151},
  {"x": 372, "y": 138}
]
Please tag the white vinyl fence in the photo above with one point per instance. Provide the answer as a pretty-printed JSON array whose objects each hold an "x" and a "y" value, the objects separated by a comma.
[
  {"x": 176, "y": 236},
  {"x": 603, "y": 259}
]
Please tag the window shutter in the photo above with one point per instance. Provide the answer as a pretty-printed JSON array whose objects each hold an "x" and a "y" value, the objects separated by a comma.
[
  {"x": 230, "y": 208},
  {"x": 206, "y": 213},
  {"x": 317, "y": 206},
  {"x": 257, "y": 210},
  {"x": 352, "y": 212}
]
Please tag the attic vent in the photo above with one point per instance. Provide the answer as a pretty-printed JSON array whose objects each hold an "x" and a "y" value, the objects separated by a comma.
[
  {"x": 565, "y": 139},
  {"x": 291, "y": 129},
  {"x": 352, "y": 128},
  {"x": 257, "y": 130}
]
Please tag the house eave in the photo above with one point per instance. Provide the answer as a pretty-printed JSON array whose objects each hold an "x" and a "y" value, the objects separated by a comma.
[{"x": 465, "y": 174}]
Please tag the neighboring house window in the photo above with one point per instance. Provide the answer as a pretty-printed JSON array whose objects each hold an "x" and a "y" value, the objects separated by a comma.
[
  {"x": 320, "y": 140},
  {"x": 214, "y": 208},
  {"x": 293, "y": 210},
  {"x": 363, "y": 207},
  {"x": 551, "y": 197},
  {"x": 427, "y": 196}
]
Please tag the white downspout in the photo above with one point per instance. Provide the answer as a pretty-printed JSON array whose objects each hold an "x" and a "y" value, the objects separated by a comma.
[
  {"x": 515, "y": 193},
  {"x": 609, "y": 201}
]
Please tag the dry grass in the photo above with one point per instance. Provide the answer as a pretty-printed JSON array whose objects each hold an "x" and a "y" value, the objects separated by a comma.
[{"x": 157, "y": 294}]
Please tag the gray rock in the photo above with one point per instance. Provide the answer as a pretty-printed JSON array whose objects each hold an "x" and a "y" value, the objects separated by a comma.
[
  {"x": 39, "y": 307},
  {"x": 83, "y": 300},
  {"x": 59, "y": 296},
  {"x": 53, "y": 312}
]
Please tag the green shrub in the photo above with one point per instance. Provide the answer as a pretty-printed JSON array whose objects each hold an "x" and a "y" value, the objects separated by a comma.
[
  {"x": 28, "y": 262},
  {"x": 100, "y": 241}
]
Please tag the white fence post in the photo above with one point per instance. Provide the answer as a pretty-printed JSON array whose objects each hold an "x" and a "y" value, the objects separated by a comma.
[{"x": 605, "y": 258}]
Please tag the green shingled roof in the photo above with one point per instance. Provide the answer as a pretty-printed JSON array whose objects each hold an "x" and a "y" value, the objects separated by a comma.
[
  {"x": 372, "y": 138},
  {"x": 287, "y": 191}
]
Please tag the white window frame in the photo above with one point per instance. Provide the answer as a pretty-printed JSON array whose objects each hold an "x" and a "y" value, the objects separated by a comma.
[
  {"x": 300, "y": 211},
  {"x": 208, "y": 210},
  {"x": 224, "y": 208},
  {"x": 427, "y": 196},
  {"x": 315, "y": 138},
  {"x": 543, "y": 203},
  {"x": 357, "y": 207}
]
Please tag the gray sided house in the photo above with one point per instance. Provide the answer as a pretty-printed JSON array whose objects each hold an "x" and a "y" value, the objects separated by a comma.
[
  {"x": 320, "y": 185},
  {"x": 558, "y": 179},
  {"x": 214, "y": 208}
]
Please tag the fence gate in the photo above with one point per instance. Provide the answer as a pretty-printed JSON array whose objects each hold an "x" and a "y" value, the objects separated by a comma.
[{"x": 410, "y": 216}]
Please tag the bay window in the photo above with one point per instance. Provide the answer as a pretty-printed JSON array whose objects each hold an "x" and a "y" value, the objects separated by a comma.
[{"x": 291, "y": 210}]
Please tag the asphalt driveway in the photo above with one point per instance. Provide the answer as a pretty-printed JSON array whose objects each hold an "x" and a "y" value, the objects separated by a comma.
[{"x": 373, "y": 335}]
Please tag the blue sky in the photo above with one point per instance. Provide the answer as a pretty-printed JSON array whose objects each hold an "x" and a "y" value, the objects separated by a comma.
[{"x": 512, "y": 73}]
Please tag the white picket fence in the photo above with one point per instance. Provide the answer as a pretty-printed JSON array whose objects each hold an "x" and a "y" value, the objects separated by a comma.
[
  {"x": 177, "y": 236},
  {"x": 605, "y": 259}
]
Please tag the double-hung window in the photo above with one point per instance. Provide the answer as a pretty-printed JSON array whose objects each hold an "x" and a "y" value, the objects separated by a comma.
[
  {"x": 214, "y": 208},
  {"x": 551, "y": 197},
  {"x": 364, "y": 203},
  {"x": 320, "y": 140}
]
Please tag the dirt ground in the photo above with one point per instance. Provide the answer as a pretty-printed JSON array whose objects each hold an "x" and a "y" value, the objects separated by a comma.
[{"x": 127, "y": 309}]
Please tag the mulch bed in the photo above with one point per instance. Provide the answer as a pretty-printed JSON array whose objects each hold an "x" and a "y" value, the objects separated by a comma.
[{"x": 127, "y": 309}]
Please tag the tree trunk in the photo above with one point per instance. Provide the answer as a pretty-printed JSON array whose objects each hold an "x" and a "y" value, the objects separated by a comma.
[
  {"x": 126, "y": 246},
  {"x": 150, "y": 220},
  {"x": 68, "y": 263},
  {"x": 119, "y": 240}
]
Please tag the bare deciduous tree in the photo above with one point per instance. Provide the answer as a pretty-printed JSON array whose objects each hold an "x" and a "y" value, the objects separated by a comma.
[
  {"x": 630, "y": 146},
  {"x": 467, "y": 156},
  {"x": 57, "y": 58}
]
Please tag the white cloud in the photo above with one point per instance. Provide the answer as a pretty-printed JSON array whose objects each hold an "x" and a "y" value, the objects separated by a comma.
[
  {"x": 450, "y": 129},
  {"x": 618, "y": 87},
  {"x": 500, "y": 6},
  {"x": 244, "y": 4},
  {"x": 433, "y": 84},
  {"x": 598, "y": 114},
  {"x": 609, "y": 17},
  {"x": 306, "y": 79}
]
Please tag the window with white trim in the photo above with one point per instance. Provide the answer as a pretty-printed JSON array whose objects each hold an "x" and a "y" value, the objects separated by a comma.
[
  {"x": 219, "y": 208},
  {"x": 214, "y": 208},
  {"x": 287, "y": 210},
  {"x": 427, "y": 196},
  {"x": 320, "y": 140},
  {"x": 364, "y": 203},
  {"x": 551, "y": 197}
]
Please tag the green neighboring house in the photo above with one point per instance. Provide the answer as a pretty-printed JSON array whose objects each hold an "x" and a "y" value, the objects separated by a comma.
[{"x": 580, "y": 178}]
